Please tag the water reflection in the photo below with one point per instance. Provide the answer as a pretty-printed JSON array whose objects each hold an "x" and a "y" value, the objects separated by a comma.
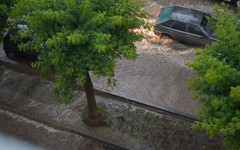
[{"x": 11, "y": 143}]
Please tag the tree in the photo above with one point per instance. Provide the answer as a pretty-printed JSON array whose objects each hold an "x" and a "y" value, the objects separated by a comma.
[
  {"x": 77, "y": 37},
  {"x": 4, "y": 12},
  {"x": 217, "y": 82}
]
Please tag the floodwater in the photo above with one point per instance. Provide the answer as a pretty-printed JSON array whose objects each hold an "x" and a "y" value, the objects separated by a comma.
[
  {"x": 159, "y": 74},
  {"x": 8, "y": 142}
]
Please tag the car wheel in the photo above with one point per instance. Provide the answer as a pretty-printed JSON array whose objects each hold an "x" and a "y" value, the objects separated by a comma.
[{"x": 165, "y": 36}]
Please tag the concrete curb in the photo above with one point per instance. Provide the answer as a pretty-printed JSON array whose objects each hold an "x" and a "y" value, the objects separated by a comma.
[
  {"x": 149, "y": 106},
  {"x": 160, "y": 109}
]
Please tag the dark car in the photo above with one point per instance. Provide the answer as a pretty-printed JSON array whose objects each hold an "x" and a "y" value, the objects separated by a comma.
[
  {"x": 235, "y": 2},
  {"x": 185, "y": 25},
  {"x": 11, "y": 47}
]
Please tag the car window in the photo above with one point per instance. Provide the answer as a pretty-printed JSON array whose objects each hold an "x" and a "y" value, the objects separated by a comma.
[
  {"x": 194, "y": 30},
  {"x": 179, "y": 26},
  {"x": 165, "y": 14},
  {"x": 205, "y": 24},
  {"x": 168, "y": 23}
]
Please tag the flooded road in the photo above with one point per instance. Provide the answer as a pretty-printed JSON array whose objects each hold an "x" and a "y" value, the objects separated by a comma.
[
  {"x": 159, "y": 74},
  {"x": 8, "y": 142}
]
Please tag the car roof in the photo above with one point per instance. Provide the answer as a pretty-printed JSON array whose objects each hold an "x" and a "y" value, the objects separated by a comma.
[{"x": 186, "y": 15}]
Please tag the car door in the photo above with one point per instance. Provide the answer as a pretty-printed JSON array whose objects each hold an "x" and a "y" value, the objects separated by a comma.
[
  {"x": 163, "y": 27},
  {"x": 178, "y": 31},
  {"x": 195, "y": 35}
]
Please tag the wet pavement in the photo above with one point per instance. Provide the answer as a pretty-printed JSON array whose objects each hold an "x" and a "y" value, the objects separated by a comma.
[{"x": 159, "y": 74}]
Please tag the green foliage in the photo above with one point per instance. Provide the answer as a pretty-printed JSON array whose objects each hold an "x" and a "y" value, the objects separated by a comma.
[
  {"x": 217, "y": 84},
  {"x": 77, "y": 36},
  {"x": 85, "y": 116},
  {"x": 100, "y": 108},
  {"x": 150, "y": 115},
  {"x": 140, "y": 111},
  {"x": 4, "y": 13}
]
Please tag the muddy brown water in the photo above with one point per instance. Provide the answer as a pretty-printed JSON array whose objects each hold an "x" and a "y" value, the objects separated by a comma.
[{"x": 159, "y": 74}]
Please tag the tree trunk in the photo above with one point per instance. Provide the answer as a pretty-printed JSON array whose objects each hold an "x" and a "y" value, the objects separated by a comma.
[{"x": 93, "y": 115}]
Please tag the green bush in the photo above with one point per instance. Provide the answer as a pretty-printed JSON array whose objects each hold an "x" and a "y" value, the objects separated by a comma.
[{"x": 217, "y": 81}]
